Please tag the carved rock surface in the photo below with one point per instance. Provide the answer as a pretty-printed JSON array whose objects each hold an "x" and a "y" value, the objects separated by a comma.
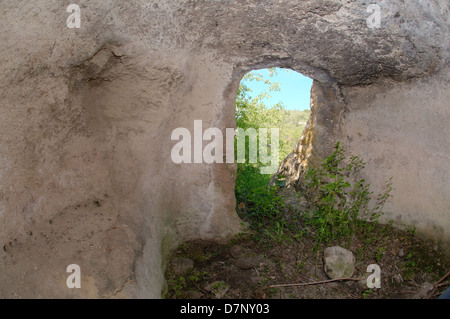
[{"x": 86, "y": 117}]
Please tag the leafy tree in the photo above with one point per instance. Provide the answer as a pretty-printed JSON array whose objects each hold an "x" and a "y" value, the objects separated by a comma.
[
  {"x": 255, "y": 199},
  {"x": 252, "y": 112}
]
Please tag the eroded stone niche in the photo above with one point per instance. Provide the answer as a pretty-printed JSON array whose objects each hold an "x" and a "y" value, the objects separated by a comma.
[{"x": 86, "y": 116}]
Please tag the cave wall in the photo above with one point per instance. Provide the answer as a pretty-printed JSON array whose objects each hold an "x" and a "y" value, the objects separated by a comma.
[
  {"x": 86, "y": 117},
  {"x": 398, "y": 140},
  {"x": 405, "y": 139}
]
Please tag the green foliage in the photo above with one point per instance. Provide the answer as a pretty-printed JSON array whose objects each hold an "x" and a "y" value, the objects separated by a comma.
[
  {"x": 279, "y": 232},
  {"x": 367, "y": 293},
  {"x": 379, "y": 253},
  {"x": 260, "y": 200},
  {"x": 252, "y": 112},
  {"x": 409, "y": 268},
  {"x": 180, "y": 284},
  {"x": 411, "y": 231},
  {"x": 293, "y": 123},
  {"x": 341, "y": 197}
]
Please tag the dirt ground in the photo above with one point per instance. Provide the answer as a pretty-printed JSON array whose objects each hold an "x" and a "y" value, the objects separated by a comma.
[{"x": 253, "y": 265}]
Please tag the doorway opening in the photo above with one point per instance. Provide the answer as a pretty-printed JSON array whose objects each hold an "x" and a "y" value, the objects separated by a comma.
[
  {"x": 267, "y": 99},
  {"x": 280, "y": 256}
]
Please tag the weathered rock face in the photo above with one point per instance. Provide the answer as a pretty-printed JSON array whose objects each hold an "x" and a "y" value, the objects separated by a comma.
[
  {"x": 319, "y": 136},
  {"x": 86, "y": 117}
]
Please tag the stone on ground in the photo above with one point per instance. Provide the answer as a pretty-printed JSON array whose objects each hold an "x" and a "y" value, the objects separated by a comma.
[{"x": 338, "y": 262}]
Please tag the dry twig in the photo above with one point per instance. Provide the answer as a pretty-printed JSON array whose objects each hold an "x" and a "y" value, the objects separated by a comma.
[
  {"x": 437, "y": 285},
  {"x": 315, "y": 282},
  {"x": 442, "y": 279}
]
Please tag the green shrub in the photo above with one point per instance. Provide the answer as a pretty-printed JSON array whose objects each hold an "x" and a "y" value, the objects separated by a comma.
[
  {"x": 253, "y": 191},
  {"x": 340, "y": 198}
]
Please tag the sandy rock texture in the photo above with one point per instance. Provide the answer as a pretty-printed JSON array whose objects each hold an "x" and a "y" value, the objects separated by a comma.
[{"x": 86, "y": 117}]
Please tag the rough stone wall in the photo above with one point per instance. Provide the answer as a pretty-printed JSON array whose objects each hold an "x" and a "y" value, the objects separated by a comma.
[
  {"x": 406, "y": 138},
  {"x": 400, "y": 140},
  {"x": 86, "y": 117},
  {"x": 321, "y": 132}
]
